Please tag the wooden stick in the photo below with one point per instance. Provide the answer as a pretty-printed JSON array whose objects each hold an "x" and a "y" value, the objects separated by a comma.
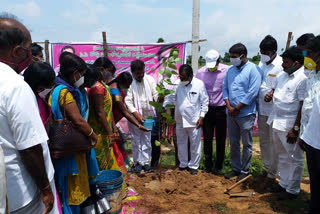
[
  {"x": 289, "y": 40},
  {"x": 104, "y": 38},
  {"x": 46, "y": 50},
  {"x": 237, "y": 184}
]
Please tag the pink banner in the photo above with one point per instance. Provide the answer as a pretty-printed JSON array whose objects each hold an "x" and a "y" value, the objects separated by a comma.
[{"x": 121, "y": 54}]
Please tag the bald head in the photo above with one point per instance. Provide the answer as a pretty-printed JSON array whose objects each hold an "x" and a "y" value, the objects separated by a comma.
[
  {"x": 15, "y": 41},
  {"x": 12, "y": 33}
]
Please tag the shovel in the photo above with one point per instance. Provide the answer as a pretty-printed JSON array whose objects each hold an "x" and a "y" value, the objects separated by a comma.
[
  {"x": 241, "y": 194},
  {"x": 236, "y": 184}
]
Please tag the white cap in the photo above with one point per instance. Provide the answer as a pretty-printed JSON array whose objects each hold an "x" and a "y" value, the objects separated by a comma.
[{"x": 211, "y": 58}]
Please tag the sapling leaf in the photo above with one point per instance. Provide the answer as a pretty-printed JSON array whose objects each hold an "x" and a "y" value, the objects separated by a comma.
[
  {"x": 178, "y": 60},
  {"x": 170, "y": 106},
  {"x": 157, "y": 143},
  {"x": 174, "y": 73},
  {"x": 168, "y": 73},
  {"x": 166, "y": 115},
  {"x": 161, "y": 71},
  {"x": 155, "y": 104},
  {"x": 172, "y": 66}
]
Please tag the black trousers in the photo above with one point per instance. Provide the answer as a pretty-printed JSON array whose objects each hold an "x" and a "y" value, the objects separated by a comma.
[
  {"x": 216, "y": 118},
  {"x": 313, "y": 161},
  {"x": 155, "y": 154}
]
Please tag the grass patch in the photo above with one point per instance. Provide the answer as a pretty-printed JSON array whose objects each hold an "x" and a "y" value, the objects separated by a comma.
[{"x": 221, "y": 206}]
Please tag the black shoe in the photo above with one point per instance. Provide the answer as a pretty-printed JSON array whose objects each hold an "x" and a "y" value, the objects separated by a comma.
[
  {"x": 183, "y": 168},
  {"x": 242, "y": 176},
  {"x": 286, "y": 196},
  {"x": 277, "y": 188},
  {"x": 207, "y": 170},
  {"x": 217, "y": 172},
  {"x": 231, "y": 174},
  {"x": 193, "y": 171},
  {"x": 147, "y": 168},
  {"x": 137, "y": 168}
]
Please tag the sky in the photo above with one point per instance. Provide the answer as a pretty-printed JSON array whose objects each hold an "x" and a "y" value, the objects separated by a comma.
[{"x": 222, "y": 22}]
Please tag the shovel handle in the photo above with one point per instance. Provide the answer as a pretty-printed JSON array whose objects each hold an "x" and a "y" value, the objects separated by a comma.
[{"x": 236, "y": 184}]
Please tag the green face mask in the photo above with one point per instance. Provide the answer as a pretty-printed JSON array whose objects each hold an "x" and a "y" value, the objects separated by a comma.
[
  {"x": 290, "y": 71},
  {"x": 213, "y": 69}
]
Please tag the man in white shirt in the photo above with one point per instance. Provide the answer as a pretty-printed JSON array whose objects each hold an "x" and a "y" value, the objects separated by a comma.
[
  {"x": 30, "y": 174},
  {"x": 302, "y": 42},
  {"x": 3, "y": 184},
  {"x": 270, "y": 65},
  {"x": 192, "y": 103},
  {"x": 288, "y": 97},
  {"x": 311, "y": 144},
  {"x": 141, "y": 92}
]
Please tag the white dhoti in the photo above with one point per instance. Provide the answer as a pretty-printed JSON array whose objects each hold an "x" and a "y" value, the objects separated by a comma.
[
  {"x": 37, "y": 206},
  {"x": 194, "y": 136},
  {"x": 267, "y": 147},
  {"x": 291, "y": 162},
  {"x": 141, "y": 145}
]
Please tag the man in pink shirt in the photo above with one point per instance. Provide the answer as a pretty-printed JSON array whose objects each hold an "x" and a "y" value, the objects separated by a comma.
[{"x": 212, "y": 76}]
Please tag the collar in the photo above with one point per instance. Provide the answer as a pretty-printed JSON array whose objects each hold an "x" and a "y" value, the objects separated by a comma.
[
  {"x": 242, "y": 67},
  {"x": 6, "y": 67},
  {"x": 294, "y": 74}
]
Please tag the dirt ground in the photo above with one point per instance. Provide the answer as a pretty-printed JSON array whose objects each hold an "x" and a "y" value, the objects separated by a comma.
[{"x": 181, "y": 192}]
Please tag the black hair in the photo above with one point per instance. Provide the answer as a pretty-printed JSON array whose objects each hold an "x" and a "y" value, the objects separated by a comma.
[
  {"x": 294, "y": 54},
  {"x": 314, "y": 44},
  {"x": 39, "y": 75},
  {"x": 92, "y": 75},
  {"x": 68, "y": 47},
  {"x": 61, "y": 57},
  {"x": 10, "y": 35},
  {"x": 137, "y": 65},
  {"x": 303, "y": 39},
  {"x": 239, "y": 48},
  {"x": 122, "y": 79},
  {"x": 163, "y": 49},
  {"x": 186, "y": 68},
  {"x": 35, "y": 49},
  {"x": 105, "y": 63},
  {"x": 70, "y": 63},
  {"x": 269, "y": 44}
]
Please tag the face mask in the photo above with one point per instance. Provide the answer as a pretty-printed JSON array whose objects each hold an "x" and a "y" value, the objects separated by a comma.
[
  {"x": 213, "y": 69},
  {"x": 45, "y": 92},
  {"x": 265, "y": 58},
  {"x": 79, "y": 82},
  {"x": 309, "y": 63},
  {"x": 24, "y": 64},
  {"x": 290, "y": 71},
  {"x": 236, "y": 61},
  {"x": 184, "y": 83},
  {"x": 304, "y": 53}
]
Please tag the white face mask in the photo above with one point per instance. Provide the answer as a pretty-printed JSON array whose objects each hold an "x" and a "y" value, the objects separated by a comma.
[
  {"x": 236, "y": 61},
  {"x": 184, "y": 83},
  {"x": 45, "y": 92},
  {"x": 79, "y": 82},
  {"x": 265, "y": 58}
]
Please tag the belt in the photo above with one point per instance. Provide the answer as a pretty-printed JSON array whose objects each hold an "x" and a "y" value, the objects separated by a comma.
[{"x": 217, "y": 107}]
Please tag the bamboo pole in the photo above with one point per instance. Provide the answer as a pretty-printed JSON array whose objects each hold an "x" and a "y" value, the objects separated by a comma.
[
  {"x": 46, "y": 50},
  {"x": 104, "y": 38},
  {"x": 289, "y": 40}
]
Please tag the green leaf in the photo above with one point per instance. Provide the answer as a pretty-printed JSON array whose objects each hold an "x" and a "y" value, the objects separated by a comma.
[
  {"x": 170, "y": 121},
  {"x": 166, "y": 115},
  {"x": 168, "y": 81},
  {"x": 157, "y": 143},
  {"x": 150, "y": 117},
  {"x": 155, "y": 104},
  {"x": 170, "y": 106},
  {"x": 161, "y": 71},
  {"x": 174, "y": 73},
  {"x": 172, "y": 66},
  {"x": 178, "y": 60},
  {"x": 158, "y": 88},
  {"x": 168, "y": 73}
]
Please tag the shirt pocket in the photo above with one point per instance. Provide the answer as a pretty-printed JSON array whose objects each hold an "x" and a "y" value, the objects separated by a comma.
[{"x": 193, "y": 97}]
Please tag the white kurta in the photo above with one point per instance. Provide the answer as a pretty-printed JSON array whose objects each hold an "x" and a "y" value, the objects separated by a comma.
[
  {"x": 3, "y": 183},
  {"x": 289, "y": 91},
  {"x": 192, "y": 102},
  {"x": 270, "y": 73},
  {"x": 20, "y": 128},
  {"x": 141, "y": 140}
]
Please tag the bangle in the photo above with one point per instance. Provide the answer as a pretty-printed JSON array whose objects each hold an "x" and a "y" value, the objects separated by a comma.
[{"x": 91, "y": 132}]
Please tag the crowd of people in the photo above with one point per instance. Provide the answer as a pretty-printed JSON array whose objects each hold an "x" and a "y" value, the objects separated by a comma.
[{"x": 38, "y": 176}]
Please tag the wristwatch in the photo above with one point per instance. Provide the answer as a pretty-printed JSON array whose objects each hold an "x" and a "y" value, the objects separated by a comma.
[{"x": 296, "y": 128}]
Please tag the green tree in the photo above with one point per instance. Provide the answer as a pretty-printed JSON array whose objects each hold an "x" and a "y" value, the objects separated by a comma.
[
  {"x": 160, "y": 40},
  {"x": 256, "y": 58},
  {"x": 226, "y": 57}
]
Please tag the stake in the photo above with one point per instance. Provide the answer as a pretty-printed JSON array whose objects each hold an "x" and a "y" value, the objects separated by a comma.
[
  {"x": 46, "y": 50},
  {"x": 104, "y": 38},
  {"x": 289, "y": 40}
]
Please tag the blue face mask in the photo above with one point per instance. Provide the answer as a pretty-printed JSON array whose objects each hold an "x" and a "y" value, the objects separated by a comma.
[{"x": 304, "y": 53}]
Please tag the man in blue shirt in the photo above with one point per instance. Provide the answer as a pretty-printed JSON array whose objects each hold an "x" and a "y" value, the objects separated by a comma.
[{"x": 240, "y": 89}]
